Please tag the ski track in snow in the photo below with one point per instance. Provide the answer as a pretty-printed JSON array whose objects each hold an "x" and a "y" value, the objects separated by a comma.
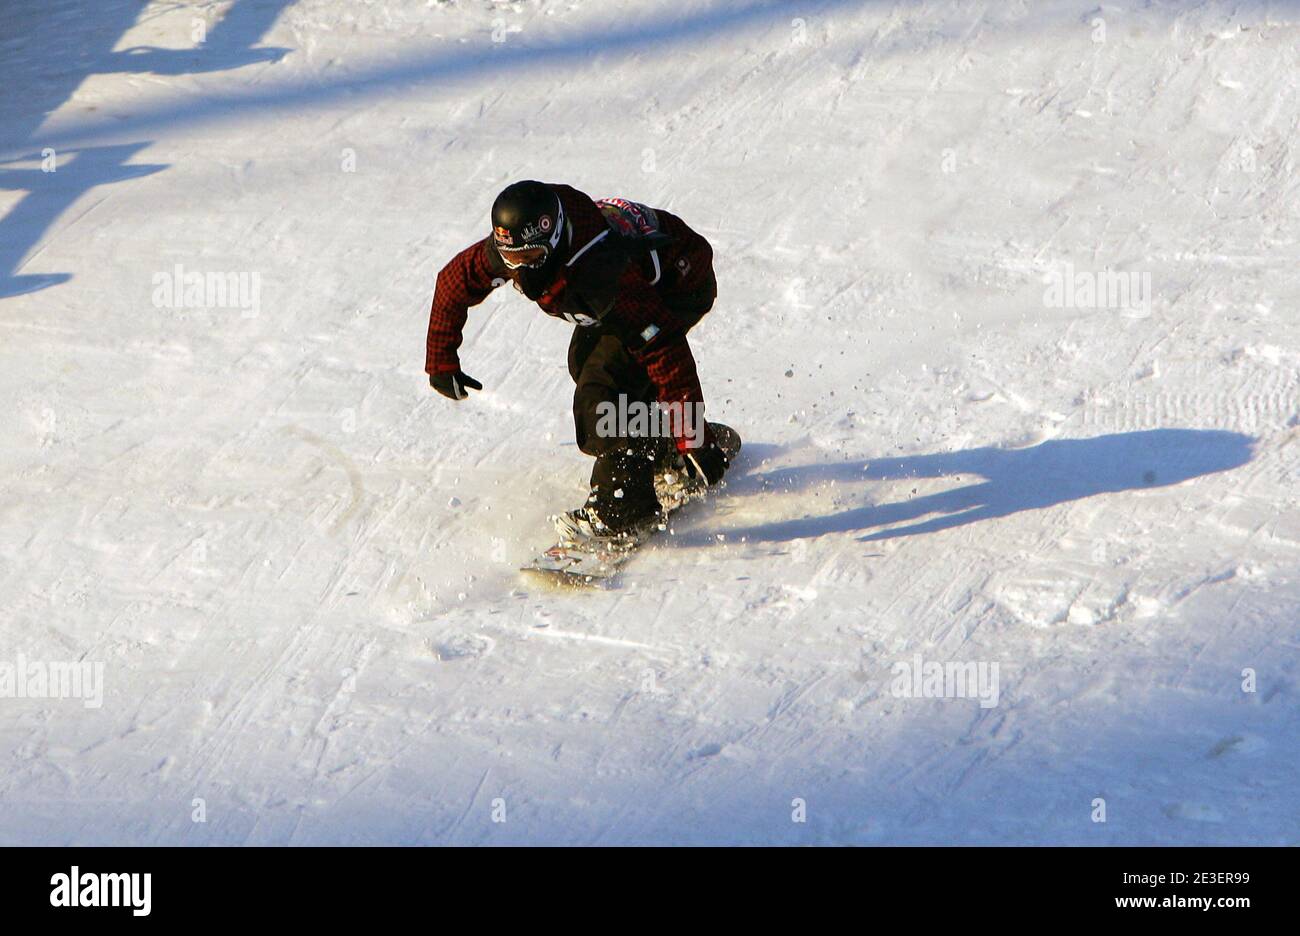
[{"x": 297, "y": 564}]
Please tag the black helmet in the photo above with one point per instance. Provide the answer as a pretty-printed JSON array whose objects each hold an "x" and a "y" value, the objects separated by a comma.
[{"x": 527, "y": 220}]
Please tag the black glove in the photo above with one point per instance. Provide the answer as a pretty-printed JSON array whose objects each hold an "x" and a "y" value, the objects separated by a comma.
[
  {"x": 708, "y": 462},
  {"x": 455, "y": 385}
]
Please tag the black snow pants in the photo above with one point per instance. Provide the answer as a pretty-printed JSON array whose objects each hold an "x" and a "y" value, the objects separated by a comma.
[{"x": 622, "y": 480}]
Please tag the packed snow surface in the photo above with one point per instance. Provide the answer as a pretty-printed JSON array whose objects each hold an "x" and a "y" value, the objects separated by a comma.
[{"x": 1008, "y": 321}]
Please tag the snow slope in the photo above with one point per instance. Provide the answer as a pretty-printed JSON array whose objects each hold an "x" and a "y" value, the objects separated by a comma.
[{"x": 296, "y": 562}]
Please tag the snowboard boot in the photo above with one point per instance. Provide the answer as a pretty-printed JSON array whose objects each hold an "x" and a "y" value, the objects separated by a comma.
[
  {"x": 584, "y": 526},
  {"x": 674, "y": 485}
]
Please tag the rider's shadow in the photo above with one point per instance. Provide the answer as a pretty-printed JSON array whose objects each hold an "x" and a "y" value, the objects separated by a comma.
[{"x": 1003, "y": 481}]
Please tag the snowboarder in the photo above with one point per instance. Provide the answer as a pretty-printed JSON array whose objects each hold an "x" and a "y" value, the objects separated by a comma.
[{"x": 633, "y": 280}]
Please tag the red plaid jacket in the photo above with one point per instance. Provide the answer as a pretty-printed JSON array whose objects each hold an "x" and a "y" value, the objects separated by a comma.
[{"x": 669, "y": 291}]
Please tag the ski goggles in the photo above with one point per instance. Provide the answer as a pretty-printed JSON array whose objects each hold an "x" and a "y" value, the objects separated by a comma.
[{"x": 529, "y": 255}]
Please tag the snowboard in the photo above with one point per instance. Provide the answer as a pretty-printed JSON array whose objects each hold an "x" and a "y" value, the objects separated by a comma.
[{"x": 594, "y": 564}]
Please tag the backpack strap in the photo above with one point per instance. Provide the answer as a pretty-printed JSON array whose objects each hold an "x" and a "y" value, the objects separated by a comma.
[{"x": 637, "y": 226}]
